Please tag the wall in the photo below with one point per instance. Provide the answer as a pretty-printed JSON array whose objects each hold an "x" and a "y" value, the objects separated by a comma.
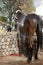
[{"x": 8, "y": 43}]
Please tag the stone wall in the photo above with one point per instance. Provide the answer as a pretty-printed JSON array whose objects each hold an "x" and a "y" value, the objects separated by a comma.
[{"x": 8, "y": 43}]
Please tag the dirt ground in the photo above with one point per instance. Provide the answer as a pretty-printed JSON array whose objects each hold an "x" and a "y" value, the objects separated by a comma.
[{"x": 16, "y": 60}]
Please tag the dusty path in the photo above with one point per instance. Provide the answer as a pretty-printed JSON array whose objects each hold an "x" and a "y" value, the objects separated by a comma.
[{"x": 12, "y": 60}]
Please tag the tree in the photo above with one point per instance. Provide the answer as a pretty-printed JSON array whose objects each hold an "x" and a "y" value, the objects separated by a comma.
[
  {"x": 3, "y": 19},
  {"x": 27, "y": 6},
  {"x": 8, "y": 7}
]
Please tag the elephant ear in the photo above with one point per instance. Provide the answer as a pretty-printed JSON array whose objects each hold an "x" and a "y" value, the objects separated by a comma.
[
  {"x": 17, "y": 11},
  {"x": 18, "y": 14}
]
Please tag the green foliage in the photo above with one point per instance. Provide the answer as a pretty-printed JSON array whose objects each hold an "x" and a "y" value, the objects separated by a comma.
[
  {"x": 4, "y": 19},
  {"x": 8, "y": 7}
]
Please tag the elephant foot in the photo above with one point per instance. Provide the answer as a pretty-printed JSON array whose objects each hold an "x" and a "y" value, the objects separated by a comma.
[{"x": 28, "y": 60}]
